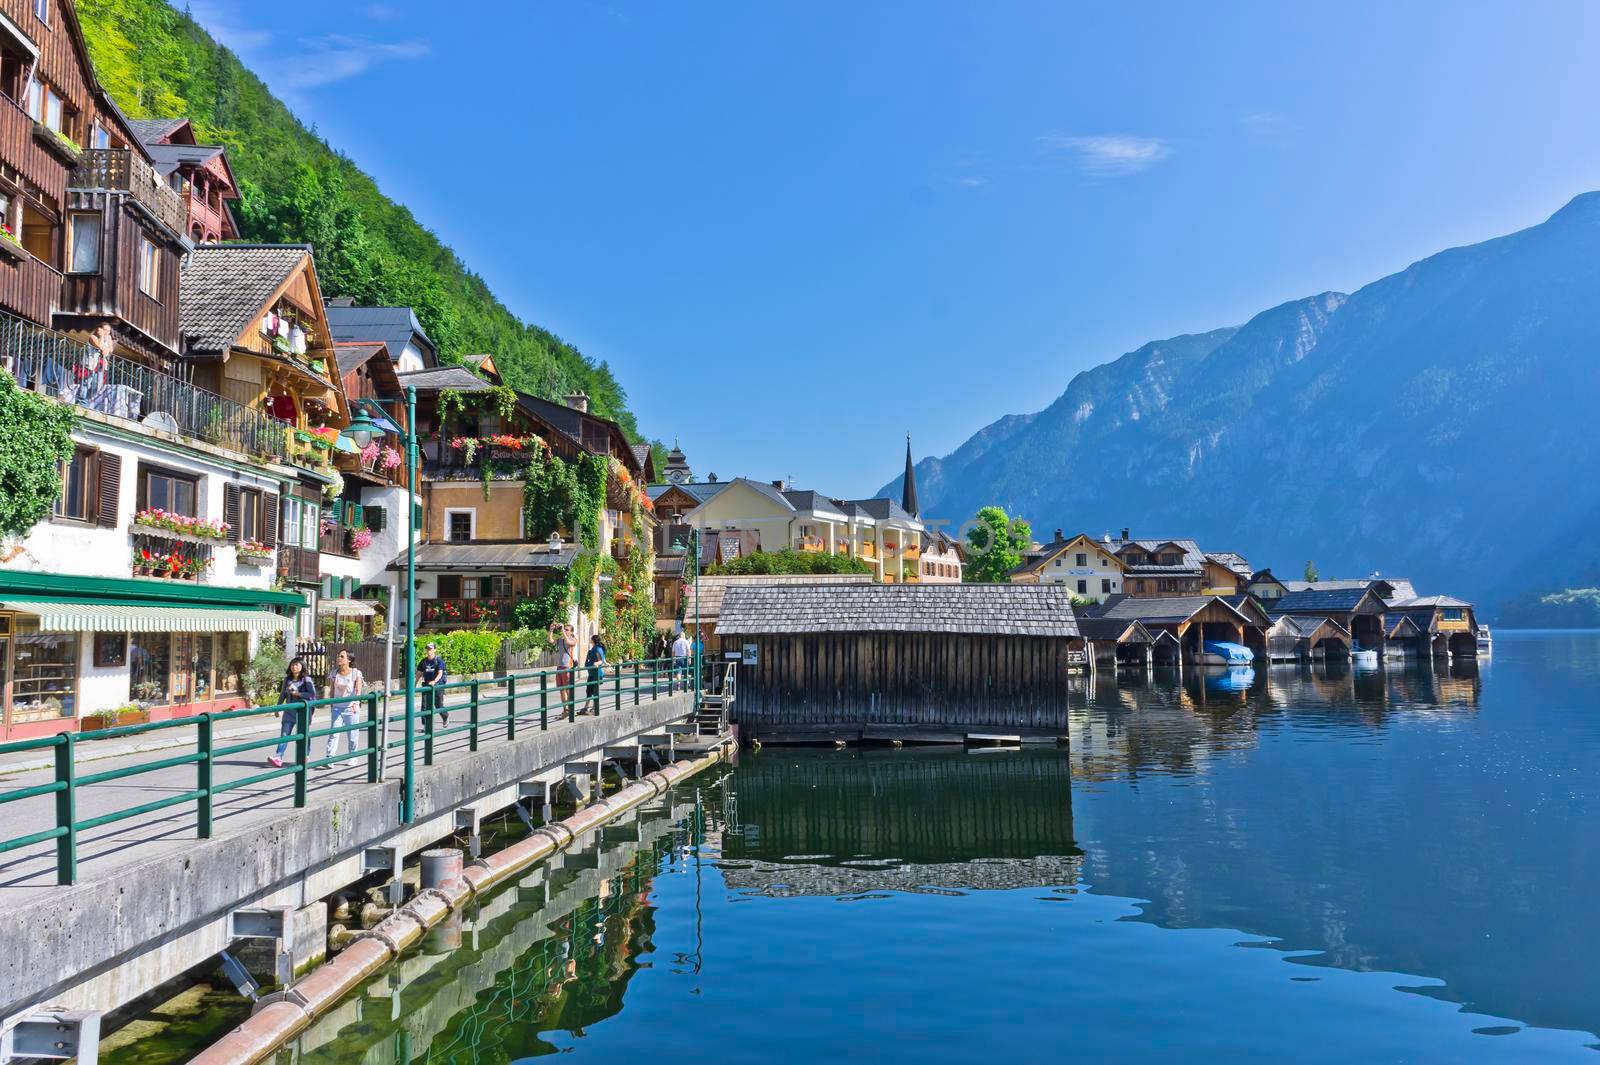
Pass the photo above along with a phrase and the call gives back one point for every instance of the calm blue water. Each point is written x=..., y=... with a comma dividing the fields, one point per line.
x=1391, y=866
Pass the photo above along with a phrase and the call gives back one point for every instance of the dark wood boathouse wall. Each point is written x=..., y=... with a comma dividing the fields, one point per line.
x=849, y=682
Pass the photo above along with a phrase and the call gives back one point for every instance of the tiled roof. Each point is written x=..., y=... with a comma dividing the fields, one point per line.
x=168, y=157
x=884, y=509
x=152, y=130
x=1231, y=561
x=447, y=557
x=1168, y=611
x=765, y=489
x=977, y=609
x=1429, y=602
x=349, y=356
x=700, y=490
x=1301, y=627
x=1319, y=601
x=439, y=378
x=224, y=287
x=712, y=589
x=394, y=326
x=1193, y=562
x=814, y=502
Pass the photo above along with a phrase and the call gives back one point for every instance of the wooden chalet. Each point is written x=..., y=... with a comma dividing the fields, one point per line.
x=92, y=236
x=199, y=173
x=918, y=662
x=1293, y=638
x=1191, y=620
x=1447, y=626
x=1159, y=568
x=1359, y=610
x=1225, y=573
x=1117, y=643
x=1264, y=586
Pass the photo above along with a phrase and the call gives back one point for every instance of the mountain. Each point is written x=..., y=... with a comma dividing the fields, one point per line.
x=157, y=62
x=1436, y=424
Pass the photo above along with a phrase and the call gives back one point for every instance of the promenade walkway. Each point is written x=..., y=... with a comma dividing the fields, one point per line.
x=149, y=884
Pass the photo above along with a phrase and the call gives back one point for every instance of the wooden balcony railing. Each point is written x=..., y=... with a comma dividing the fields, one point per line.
x=299, y=564
x=20, y=149
x=119, y=170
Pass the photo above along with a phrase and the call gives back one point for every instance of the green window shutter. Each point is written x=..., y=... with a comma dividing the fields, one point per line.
x=353, y=588
x=336, y=510
x=416, y=514
x=377, y=519
x=358, y=515
x=330, y=587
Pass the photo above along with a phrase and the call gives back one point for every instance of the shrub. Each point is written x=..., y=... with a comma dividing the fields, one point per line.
x=549, y=606
x=469, y=651
x=35, y=438
x=264, y=678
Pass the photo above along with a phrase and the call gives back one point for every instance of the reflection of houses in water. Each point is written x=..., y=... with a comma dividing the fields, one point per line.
x=909, y=820
x=554, y=951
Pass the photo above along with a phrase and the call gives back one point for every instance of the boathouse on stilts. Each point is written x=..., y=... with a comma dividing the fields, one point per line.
x=908, y=662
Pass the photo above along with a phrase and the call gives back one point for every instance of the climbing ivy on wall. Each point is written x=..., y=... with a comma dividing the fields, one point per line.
x=35, y=438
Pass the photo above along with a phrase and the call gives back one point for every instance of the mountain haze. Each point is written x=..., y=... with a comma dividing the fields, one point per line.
x=1436, y=424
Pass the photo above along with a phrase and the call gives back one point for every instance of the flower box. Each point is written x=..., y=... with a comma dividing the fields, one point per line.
x=181, y=525
x=59, y=144
x=10, y=246
x=254, y=553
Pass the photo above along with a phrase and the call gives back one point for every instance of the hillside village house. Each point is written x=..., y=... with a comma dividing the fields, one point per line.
x=942, y=559
x=476, y=560
x=1088, y=568
x=1225, y=573
x=396, y=328
x=199, y=173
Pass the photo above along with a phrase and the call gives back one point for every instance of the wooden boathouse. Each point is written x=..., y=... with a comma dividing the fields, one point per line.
x=1293, y=638
x=1116, y=643
x=913, y=662
x=1188, y=620
x=1359, y=610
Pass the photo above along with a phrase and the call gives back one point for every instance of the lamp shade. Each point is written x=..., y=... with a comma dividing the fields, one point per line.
x=362, y=429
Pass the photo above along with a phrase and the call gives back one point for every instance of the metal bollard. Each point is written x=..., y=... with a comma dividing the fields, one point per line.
x=441, y=866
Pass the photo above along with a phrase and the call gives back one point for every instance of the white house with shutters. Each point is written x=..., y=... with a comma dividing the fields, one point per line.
x=151, y=582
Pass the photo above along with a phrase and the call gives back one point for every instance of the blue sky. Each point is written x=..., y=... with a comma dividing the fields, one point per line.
x=797, y=231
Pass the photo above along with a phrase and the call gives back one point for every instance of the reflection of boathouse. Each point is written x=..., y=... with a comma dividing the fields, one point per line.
x=839, y=823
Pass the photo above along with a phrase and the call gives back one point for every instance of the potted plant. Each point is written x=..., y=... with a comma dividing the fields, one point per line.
x=10, y=246
x=97, y=721
x=254, y=552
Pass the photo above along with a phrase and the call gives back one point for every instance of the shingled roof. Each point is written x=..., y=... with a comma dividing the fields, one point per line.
x=439, y=378
x=1301, y=627
x=1170, y=610
x=224, y=287
x=1192, y=564
x=975, y=609
x=712, y=589
x=1321, y=601
x=1231, y=561
x=152, y=130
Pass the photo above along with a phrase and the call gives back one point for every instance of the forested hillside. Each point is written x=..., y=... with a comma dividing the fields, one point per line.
x=157, y=62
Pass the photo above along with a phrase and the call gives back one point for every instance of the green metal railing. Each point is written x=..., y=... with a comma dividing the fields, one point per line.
x=524, y=701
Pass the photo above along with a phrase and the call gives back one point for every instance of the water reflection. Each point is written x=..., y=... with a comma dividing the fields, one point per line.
x=921, y=821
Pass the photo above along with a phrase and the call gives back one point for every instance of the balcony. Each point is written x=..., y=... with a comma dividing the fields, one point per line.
x=119, y=170
x=19, y=149
x=810, y=544
x=299, y=564
x=71, y=371
x=448, y=612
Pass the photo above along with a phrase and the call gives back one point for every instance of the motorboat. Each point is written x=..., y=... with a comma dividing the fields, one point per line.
x=1222, y=653
x=1485, y=641
x=1364, y=658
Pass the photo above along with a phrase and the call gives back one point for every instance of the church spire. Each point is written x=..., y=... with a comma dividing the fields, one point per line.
x=908, y=491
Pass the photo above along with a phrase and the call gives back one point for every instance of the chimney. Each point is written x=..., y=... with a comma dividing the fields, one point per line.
x=340, y=301
x=780, y=486
x=1059, y=537
x=578, y=401
x=711, y=478
x=1125, y=535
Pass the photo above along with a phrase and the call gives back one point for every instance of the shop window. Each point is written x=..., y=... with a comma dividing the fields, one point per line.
x=191, y=667
x=149, y=655
x=165, y=490
x=44, y=674
x=79, y=487
x=233, y=661
x=83, y=234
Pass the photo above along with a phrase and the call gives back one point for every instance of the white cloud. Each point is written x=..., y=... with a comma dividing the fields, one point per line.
x=1109, y=156
x=971, y=181
x=1266, y=126
x=338, y=57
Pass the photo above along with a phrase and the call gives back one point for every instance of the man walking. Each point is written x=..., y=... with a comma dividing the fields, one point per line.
x=680, y=662
x=432, y=674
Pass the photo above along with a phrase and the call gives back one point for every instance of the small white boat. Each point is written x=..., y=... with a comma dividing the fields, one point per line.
x=1485, y=641
x=1364, y=658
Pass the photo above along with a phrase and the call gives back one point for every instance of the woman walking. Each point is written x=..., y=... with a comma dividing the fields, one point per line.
x=595, y=660
x=345, y=682
x=566, y=655
x=297, y=687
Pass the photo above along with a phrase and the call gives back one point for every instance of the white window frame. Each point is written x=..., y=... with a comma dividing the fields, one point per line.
x=472, y=523
x=149, y=267
x=72, y=241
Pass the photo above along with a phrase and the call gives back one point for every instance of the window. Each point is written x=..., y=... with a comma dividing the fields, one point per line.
x=301, y=523
x=149, y=654
x=450, y=586
x=1083, y=559
x=191, y=666
x=459, y=525
x=99, y=136
x=499, y=587
x=38, y=234
x=164, y=490
x=1452, y=614
x=44, y=676
x=41, y=10
x=80, y=484
x=1169, y=560
x=1105, y=587
x=1058, y=562
x=149, y=268
x=233, y=660
x=249, y=525
x=469, y=587
x=1083, y=587
x=84, y=234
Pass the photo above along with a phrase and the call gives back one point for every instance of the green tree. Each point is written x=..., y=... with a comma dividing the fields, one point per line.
x=35, y=438
x=997, y=544
x=1311, y=571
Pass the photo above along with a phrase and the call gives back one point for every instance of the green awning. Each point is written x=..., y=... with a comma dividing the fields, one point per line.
x=86, y=615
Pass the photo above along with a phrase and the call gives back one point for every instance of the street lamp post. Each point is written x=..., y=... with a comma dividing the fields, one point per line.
x=363, y=431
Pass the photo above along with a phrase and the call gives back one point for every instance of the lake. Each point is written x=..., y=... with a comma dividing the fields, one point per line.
x=1398, y=865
